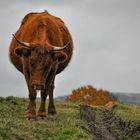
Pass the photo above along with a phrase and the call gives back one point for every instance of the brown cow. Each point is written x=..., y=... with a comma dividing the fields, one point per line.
x=41, y=48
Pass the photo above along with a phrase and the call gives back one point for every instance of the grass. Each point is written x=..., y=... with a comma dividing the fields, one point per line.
x=127, y=112
x=66, y=125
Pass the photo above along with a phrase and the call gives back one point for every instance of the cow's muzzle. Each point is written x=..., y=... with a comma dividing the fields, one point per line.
x=38, y=86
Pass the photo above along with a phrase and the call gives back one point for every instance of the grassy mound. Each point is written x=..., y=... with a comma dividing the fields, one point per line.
x=127, y=112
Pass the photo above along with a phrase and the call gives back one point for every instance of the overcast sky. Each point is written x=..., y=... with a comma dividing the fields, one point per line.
x=106, y=36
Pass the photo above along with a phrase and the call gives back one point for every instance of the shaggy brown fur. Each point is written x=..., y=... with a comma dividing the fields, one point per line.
x=41, y=30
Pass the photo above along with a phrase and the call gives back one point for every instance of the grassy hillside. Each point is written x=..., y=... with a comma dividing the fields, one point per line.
x=66, y=125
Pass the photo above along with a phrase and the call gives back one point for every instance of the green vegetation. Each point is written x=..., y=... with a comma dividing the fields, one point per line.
x=129, y=120
x=66, y=125
x=127, y=112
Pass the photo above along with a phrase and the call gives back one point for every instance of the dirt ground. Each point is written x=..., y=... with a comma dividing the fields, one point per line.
x=103, y=125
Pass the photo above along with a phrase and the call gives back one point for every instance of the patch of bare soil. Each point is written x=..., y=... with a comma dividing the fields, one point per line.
x=103, y=125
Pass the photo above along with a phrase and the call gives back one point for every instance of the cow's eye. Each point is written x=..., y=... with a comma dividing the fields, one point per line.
x=47, y=66
x=32, y=64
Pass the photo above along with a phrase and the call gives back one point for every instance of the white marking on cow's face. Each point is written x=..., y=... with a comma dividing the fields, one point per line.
x=38, y=92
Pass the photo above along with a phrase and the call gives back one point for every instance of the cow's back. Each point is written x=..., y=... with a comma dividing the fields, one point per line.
x=32, y=29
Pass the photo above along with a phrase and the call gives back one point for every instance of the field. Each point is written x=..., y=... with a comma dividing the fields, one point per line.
x=66, y=125
x=72, y=122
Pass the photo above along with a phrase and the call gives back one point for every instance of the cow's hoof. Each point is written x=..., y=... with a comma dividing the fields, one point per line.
x=52, y=112
x=31, y=116
x=42, y=115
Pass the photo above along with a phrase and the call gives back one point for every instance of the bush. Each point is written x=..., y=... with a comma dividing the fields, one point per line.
x=91, y=96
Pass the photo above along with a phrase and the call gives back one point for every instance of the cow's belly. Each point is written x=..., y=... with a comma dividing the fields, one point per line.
x=16, y=61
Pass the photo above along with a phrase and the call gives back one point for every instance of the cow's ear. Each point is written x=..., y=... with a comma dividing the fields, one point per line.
x=60, y=56
x=22, y=51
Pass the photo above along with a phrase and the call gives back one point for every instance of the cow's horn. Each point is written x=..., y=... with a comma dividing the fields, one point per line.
x=55, y=48
x=25, y=44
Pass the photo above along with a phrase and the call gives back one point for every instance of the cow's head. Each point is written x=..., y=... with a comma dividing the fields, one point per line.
x=40, y=60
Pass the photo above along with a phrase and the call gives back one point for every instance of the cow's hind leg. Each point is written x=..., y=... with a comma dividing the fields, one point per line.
x=51, y=106
x=42, y=108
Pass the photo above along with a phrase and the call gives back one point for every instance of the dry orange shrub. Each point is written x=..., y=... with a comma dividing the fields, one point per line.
x=91, y=96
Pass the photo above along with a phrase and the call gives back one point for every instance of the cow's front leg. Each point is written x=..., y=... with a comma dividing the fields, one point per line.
x=42, y=108
x=32, y=93
x=51, y=106
x=32, y=105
